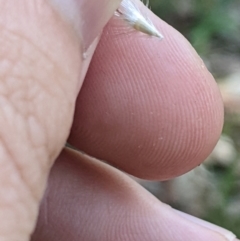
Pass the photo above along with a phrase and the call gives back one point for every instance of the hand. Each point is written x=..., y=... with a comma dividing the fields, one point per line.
x=149, y=108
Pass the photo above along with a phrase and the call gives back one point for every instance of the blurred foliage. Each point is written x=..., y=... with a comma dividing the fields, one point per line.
x=218, y=217
x=211, y=26
x=206, y=23
x=229, y=189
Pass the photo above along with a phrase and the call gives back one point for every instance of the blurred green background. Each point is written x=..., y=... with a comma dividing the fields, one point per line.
x=208, y=24
x=213, y=28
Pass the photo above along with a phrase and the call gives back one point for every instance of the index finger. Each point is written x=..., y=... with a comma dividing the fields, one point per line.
x=148, y=107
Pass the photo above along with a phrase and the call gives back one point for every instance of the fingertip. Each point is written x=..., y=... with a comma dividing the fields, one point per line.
x=150, y=108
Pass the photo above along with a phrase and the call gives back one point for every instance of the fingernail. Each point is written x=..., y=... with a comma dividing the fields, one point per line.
x=88, y=17
x=227, y=234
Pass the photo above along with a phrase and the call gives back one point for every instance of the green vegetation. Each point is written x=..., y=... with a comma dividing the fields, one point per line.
x=207, y=24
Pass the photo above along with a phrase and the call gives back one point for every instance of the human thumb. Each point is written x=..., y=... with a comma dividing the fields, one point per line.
x=43, y=46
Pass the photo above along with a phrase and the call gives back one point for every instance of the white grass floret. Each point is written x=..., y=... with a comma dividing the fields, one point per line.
x=132, y=15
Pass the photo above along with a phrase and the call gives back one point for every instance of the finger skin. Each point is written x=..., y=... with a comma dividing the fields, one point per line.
x=41, y=62
x=148, y=107
x=88, y=200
